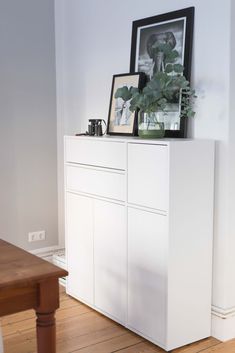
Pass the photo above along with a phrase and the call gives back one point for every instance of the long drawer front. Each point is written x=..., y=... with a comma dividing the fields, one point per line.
x=96, y=153
x=104, y=183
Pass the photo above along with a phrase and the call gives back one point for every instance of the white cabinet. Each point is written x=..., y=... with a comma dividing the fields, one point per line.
x=110, y=259
x=139, y=233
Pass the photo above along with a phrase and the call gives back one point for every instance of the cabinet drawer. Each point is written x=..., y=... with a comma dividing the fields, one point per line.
x=148, y=175
x=97, y=182
x=95, y=153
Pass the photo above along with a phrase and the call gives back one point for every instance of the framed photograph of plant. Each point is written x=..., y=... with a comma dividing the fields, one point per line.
x=121, y=120
x=160, y=41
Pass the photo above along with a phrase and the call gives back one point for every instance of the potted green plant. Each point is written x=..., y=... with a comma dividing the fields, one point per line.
x=164, y=87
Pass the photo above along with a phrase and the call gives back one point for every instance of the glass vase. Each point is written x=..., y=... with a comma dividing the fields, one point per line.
x=149, y=125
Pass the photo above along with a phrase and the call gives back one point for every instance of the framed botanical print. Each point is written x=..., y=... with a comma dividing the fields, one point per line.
x=121, y=120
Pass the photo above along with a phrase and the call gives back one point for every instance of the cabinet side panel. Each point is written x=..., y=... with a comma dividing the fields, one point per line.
x=190, y=241
x=79, y=244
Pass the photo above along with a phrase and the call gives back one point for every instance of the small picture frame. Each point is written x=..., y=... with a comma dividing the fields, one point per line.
x=121, y=121
x=172, y=28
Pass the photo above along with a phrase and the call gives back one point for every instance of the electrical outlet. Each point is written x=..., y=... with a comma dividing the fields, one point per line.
x=37, y=236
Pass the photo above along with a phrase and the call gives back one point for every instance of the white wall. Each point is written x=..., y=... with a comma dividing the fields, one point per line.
x=28, y=177
x=230, y=294
x=96, y=37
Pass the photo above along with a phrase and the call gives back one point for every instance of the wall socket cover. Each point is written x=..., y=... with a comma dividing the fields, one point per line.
x=37, y=236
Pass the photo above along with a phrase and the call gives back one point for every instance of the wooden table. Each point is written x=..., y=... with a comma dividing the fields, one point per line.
x=27, y=282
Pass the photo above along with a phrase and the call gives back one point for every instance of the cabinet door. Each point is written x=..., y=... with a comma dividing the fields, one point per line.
x=148, y=175
x=79, y=239
x=147, y=261
x=110, y=259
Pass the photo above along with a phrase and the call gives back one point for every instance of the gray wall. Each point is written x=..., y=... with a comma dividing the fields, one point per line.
x=28, y=150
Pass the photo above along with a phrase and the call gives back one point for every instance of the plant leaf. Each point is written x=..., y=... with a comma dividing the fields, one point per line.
x=178, y=68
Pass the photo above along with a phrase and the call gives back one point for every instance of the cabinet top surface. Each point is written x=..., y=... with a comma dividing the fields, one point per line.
x=136, y=139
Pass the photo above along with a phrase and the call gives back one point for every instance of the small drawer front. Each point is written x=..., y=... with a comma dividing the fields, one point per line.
x=148, y=175
x=95, y=152
x=96, y=182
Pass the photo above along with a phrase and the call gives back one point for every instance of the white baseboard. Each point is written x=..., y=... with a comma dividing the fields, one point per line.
x=54, y=254
x=223, y=323
x=47, y=253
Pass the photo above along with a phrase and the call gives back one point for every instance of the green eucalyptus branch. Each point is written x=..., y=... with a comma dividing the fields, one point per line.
x=162, y=88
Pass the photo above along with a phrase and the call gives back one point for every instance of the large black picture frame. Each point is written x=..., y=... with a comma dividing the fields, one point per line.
x=182, y=22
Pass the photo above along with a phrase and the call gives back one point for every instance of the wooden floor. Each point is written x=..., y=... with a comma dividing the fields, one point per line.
x=82, y=330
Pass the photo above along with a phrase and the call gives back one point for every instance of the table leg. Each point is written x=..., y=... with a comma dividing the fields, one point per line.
x=48, y=296
x=46, y=339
